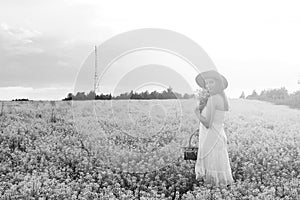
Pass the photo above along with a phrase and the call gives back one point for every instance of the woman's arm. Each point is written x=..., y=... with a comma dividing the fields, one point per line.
x=201, y=118
x=210, y=113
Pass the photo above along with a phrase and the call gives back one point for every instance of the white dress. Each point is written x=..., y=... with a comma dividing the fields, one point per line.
x=212, y=159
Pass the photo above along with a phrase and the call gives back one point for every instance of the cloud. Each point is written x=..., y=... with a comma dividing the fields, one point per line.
x=18, y=40
x=31, y=59
x=19, y=33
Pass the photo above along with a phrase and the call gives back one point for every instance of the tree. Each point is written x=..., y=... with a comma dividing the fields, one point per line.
x=69, y=97
x=254, y=95
x=242, y=95
x=169, y=90
x=80, y=96
x=91, y=95
x=154, y=95
x=274, y=94
x=186, y=96
x=130, y=94
x=177, y=95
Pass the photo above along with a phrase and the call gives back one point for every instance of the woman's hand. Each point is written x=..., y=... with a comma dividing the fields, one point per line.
x=201, y=107
x=206, y=121
x=197, y=112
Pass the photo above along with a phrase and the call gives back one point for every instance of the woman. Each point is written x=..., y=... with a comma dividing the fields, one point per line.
x=212, y=160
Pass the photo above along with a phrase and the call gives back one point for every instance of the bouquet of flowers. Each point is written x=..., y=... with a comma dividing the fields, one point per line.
x=202, y=97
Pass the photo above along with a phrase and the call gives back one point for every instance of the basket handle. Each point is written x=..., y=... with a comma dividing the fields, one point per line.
x=196, y=131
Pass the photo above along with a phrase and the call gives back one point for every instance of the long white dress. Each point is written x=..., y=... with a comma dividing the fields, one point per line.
x=212, y=159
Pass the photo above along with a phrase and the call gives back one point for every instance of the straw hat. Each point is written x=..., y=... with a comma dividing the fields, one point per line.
x=200, y=79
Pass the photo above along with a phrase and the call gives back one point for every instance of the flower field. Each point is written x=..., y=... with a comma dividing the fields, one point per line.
x=133, y=150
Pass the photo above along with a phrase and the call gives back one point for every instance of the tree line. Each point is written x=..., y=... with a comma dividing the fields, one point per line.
x=278, y=96
x=166, y=94
x=20, y=100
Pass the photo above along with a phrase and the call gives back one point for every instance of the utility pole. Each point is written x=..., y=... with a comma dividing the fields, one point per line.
x=96, y=75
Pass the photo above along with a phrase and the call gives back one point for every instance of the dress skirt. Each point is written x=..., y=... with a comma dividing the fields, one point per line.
x=212, y=160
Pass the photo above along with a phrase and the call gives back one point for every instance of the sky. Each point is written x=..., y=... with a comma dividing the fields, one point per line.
x=44, y=44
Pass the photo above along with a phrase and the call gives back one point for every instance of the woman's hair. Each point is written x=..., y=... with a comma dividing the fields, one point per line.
x=226, y=104
x=222, y=93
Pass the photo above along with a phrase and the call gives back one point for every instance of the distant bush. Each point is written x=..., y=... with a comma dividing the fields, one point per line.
x=278, y=96
x=20, y=100
x=293, y=100
x=254, y=95
x=242, y=95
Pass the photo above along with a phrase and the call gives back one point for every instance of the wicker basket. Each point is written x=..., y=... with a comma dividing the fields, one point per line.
x=190, y=152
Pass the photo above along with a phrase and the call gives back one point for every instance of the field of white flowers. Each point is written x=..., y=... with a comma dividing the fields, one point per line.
x=132, y=150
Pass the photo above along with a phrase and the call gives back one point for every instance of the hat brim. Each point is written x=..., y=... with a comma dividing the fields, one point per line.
x=200, y=78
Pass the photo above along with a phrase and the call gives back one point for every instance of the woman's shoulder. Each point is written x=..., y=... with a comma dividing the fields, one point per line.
x=221, y=102
x=217, y=98
x=218, y=95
